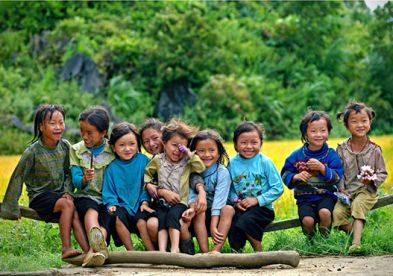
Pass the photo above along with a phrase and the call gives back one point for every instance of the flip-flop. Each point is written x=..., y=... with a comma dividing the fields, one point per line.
x=97, y=241
x=93, y=259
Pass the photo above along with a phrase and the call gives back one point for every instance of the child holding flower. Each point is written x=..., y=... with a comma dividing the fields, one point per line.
x=364, y=171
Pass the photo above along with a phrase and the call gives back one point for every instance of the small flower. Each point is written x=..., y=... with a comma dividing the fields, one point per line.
x=367, y=173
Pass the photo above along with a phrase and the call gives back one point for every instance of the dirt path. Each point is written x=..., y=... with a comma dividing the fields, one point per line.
x=382, y=265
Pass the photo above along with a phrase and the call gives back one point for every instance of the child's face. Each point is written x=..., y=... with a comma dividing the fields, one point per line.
x=126, y=146
x=248, y=144
x=317, y=134
x=52, y=128
x=90, y=134
x=151, y=139
x=172, y=151
x=207, y=150
x=358, y=123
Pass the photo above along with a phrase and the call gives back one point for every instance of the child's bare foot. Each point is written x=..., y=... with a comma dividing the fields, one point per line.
x=70, y=253
x=215, y=252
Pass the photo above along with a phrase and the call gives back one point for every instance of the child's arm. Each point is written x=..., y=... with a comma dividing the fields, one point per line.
x=380, y=169
x=274, y=182
x=109, y=194
x=290, y=174
x=197, y=184
x=151, y=170
x=9, y=207
x=221, y=191
x=169, y=196
x=331, y=173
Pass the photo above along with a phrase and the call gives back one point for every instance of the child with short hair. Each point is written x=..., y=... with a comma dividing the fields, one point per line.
x=173, y=168
x=88, y=160
x=313, y=171
x=358, y=152
x=123, y=191
x=256, y=184
x=217, y=219
x=44, y=168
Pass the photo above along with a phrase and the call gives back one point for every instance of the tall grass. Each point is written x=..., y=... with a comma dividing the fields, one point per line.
x=37, y=245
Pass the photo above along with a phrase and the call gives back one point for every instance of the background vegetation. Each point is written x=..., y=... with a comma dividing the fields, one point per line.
x=266, y=61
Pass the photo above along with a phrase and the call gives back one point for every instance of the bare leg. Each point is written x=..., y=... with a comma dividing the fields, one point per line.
x=152, y=228
x=142, y=228
x=256, y=245
x=91, y=219
x=347, y=228
x=226, y=215
x=201, y=232
x=357, y=231
x=325, y=221
x=79, y=233
x=124, y=234
x=308, y=226
x=162, y=240
x=174, y=235
x=66, y=208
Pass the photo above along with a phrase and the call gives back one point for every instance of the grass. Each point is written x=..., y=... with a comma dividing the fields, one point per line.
x=37, y=245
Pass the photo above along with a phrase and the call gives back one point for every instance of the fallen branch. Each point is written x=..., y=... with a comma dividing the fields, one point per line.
x=250, y=260
x=274, y=226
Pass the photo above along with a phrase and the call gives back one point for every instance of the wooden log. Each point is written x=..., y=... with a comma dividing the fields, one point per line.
x=274, y=226
x=244, y=260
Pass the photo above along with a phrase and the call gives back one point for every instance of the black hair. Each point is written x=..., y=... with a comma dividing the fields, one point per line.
x=151, y=123
x=357, y=107
x=310, y=117
x=122, y=129
x=211, y=134
x=39, y=117
x=247, y=126
x=177, y=127
x=98, y=117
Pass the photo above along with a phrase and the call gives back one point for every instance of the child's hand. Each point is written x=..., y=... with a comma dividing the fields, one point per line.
x=303, y=176
x=249, y=202
x=201, y=203
x=170, y=197
x=315, y=165
x=188, y=215
x=184, y=149
x=366, y=181
x=216, y=235
x=152, y=190
x=68, y=196
x=145, y=207
x=88, y=175
x=112, y=210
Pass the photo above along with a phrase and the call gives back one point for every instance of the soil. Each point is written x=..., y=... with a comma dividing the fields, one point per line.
x=361, y=265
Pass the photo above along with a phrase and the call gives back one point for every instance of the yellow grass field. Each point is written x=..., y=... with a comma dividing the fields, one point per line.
x=276, y=150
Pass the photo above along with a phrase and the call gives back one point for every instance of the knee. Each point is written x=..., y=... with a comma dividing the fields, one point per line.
x=325, y=214
x=308, y=222
x=227, y=211
x=141, y=224
x=152, y=223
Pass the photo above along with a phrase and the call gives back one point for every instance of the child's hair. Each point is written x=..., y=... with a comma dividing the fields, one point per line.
x=122, y=129
x=211, y=134
x=247, y=126
x=177, y=127
x=357, y=107
x=151, y=123
x=98, y=117
x=310, y=117
x=40, y=115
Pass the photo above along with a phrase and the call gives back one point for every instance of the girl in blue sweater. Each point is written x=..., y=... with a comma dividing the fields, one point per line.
x=122, y=190
x=313, y=171
x=256, y=183
x=216, y=220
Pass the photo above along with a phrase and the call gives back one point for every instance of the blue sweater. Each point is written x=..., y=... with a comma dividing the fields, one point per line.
x=255, y=177
x=217, y=183
x=123, y=183
x=319, y=185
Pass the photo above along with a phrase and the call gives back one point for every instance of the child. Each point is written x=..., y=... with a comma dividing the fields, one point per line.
x=44, y=168
x=208, y=145
x=88, y=160
x=151, y=135
x=356, y=152
x=173, y=168
x=313, y=171
x=123, y=182
x=256, y=184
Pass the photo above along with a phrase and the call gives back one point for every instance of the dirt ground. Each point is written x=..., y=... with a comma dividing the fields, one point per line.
x=382, y=265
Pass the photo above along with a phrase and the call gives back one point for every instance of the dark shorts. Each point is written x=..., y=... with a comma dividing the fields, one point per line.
x=168, y=217
x=311, y=209
x=44, y=204
x=251, y=222
x=146, y=215
x=83, y=204
x=129, y=222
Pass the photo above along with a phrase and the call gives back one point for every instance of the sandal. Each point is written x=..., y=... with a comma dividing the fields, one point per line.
x=97, y=241
x=93, y=259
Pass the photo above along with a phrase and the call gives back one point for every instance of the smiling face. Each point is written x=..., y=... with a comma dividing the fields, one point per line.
x=317, y=134
x=52, y=128
x=207, y=150
x=248, y=144
x=171, y=148
x=359, y=123
x=151, y=140
x=126, y=146
x=90, y=134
